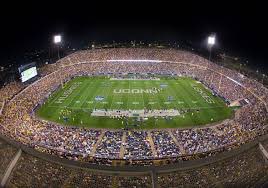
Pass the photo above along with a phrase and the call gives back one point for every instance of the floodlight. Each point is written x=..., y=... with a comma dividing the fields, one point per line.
x=211, y=40
x=57, y=39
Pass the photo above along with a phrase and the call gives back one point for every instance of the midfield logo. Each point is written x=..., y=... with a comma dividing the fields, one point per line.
x=154, y=90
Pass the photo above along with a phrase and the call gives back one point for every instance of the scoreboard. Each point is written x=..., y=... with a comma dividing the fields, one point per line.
x=27, y=72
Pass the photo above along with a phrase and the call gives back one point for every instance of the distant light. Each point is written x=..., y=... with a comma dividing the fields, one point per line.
x=211, y=40
x=57, y=39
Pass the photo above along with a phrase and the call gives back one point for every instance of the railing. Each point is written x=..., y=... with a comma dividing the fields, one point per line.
x=2, y=107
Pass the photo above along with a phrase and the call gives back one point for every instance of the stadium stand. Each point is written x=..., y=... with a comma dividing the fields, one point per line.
x=247, y=168
x=40, y=134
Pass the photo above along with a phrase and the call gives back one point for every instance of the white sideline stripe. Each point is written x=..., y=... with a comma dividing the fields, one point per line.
x=134, y=60
x=10, y=168
x=201, y=107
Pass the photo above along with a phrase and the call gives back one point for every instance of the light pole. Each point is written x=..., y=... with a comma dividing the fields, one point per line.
x=211, y=41
x=263, y=75
x=57, y=41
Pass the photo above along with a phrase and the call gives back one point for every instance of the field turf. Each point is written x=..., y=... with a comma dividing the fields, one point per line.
x=80, y=96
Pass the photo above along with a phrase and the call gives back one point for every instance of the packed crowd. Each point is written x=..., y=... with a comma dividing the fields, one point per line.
x=164, y=144
x=33, y=172
x=8, y=91
x=246, y=169
x=110, y=145
x=138, y=146
x=18, y=121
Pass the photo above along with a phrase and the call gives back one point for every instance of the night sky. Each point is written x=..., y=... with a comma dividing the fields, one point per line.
x=241, y=29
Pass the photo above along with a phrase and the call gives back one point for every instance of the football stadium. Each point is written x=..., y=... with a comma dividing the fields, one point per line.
x=133, y=117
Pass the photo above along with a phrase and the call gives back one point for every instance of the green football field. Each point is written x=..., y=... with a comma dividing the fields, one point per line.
x=74, y=103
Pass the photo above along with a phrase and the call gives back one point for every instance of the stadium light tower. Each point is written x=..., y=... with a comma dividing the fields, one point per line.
x=57, y=41
x=263, y=75
x=211, y=42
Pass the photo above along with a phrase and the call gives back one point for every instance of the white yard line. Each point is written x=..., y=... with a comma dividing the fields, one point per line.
x=56, y=98
x=117, y=105
x=112, y=100
x=177, y=98
x=143, y=97
x=95, y=100
x=77, y=93
x=85, y=100
x=66, y=98
x=128, y=95
x=106, y=96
